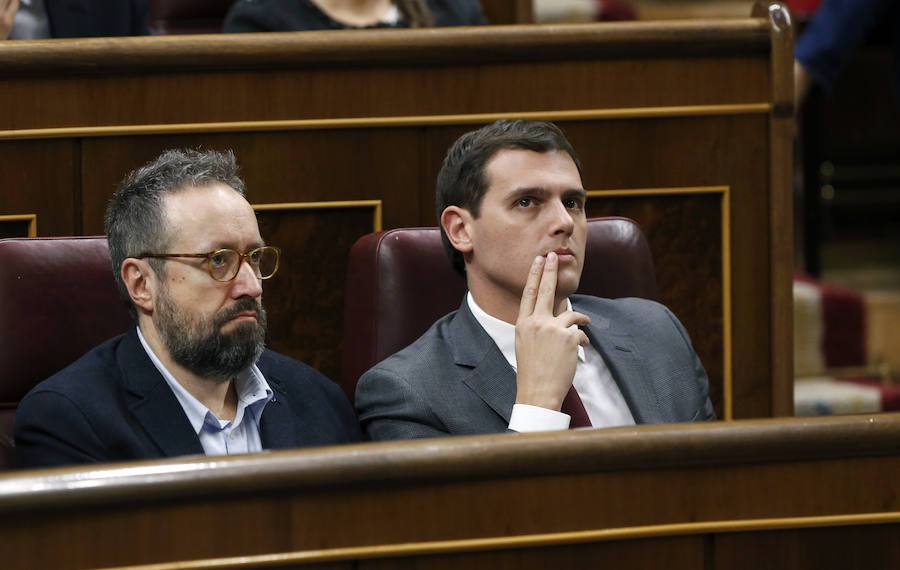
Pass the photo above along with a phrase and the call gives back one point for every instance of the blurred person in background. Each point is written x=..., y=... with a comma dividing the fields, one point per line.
x=834, y=32
x=296, y=15
x=41, y=19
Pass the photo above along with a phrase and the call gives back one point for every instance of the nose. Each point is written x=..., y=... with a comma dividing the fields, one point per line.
x=246, y=283
x=562, y=221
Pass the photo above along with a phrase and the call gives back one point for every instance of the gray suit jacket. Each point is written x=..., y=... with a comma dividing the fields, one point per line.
x=454, y=380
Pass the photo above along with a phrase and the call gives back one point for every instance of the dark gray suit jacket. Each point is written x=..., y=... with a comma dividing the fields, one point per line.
x=114, y=405
x=454, y=380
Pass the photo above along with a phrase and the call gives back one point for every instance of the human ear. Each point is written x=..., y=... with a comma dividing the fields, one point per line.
x=140, y=280
x=456, y=222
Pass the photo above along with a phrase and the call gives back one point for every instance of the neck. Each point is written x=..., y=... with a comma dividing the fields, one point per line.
x=504, y=305
x=217, y=395
x=355, y=12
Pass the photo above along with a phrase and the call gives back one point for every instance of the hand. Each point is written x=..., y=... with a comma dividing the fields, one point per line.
x=546, y=348
x=8, y=9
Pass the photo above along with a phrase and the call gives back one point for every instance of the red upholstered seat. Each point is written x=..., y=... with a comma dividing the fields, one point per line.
x=400, y=281
x=57, y=301
x=188, y=16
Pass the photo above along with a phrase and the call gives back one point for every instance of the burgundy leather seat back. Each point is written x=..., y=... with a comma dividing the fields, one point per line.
x=188, y=16
x=400, y=281
x=57, y=301
x=618, y=262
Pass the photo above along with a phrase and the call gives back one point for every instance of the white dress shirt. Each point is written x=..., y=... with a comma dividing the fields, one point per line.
x=601, y=396
x=223, y=437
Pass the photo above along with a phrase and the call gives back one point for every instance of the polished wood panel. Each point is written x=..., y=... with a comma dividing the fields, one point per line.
x=42, y=178
x=688, y=267
x=419, y=89
x=717, y=494
x=483, y=44
x=781, y=217
x=500, y=12
x=315, y=241
x=838, y=548
x=368, y=116
x=305, y=166
x=619, y=155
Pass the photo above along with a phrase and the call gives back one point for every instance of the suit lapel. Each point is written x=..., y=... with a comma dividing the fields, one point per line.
x=278, y=426
x=152, y=402
x=482, y=366
x=618, y=350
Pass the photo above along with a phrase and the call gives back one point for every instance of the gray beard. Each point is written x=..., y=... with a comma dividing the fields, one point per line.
x=202, y=348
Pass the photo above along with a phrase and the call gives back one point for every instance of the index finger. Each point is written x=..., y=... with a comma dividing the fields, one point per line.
x=530, y=292
x=547, y=291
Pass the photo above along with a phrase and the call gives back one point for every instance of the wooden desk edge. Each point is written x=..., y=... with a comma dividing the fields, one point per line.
x=460, y=458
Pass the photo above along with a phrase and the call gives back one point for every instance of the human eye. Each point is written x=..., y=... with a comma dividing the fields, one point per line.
x=524, y=202
x=255, y=256
x=574, y=203
x=220, y=258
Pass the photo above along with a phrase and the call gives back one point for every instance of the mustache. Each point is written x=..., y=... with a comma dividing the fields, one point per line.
x=245, y=304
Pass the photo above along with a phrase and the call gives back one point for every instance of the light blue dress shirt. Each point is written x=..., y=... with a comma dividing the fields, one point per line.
x=223, y=437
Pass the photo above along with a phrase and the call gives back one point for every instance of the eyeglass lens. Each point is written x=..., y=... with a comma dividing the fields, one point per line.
x=225, y=264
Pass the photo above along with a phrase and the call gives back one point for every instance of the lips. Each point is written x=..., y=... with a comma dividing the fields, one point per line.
x=245, y=310
x=564, y=254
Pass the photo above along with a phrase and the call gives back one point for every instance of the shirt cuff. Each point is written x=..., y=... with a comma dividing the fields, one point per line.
x=527, y=418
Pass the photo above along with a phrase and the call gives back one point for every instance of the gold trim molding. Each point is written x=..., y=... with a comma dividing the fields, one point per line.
x=30, y=218
x=725, y=208
x=402, y=121
x=526, y=541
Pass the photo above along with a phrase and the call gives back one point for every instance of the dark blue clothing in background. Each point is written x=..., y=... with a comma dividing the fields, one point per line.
x=97, y=18
x=838, y=28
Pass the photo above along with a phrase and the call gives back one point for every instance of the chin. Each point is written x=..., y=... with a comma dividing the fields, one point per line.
x=567, y=286
x=239, y=328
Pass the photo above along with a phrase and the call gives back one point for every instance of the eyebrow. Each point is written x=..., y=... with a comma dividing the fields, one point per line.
x=580, y=192
x=541, y=192
x=251, y=246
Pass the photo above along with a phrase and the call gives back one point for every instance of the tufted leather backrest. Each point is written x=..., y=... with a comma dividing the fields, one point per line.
x=57, y=301
x=400, y=281
x=188, y=16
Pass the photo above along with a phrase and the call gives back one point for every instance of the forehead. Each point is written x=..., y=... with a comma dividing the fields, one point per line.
x=209, y=217
x=513, y=168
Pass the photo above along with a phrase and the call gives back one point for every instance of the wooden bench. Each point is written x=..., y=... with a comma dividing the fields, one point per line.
x=778, y=494
x=684, y=126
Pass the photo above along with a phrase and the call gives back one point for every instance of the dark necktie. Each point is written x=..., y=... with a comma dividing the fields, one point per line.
x=572, y=405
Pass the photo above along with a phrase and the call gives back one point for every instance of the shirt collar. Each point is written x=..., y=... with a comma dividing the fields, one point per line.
x=250, y=385
x=504, y=334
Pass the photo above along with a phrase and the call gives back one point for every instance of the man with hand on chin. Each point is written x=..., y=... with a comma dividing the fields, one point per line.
x=523, y=352
x=193, y=376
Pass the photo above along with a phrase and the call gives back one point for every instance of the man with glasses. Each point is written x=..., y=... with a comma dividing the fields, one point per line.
x=193, y=377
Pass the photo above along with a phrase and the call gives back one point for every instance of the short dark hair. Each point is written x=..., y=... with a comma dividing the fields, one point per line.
x=462, y=180
x=134, y=217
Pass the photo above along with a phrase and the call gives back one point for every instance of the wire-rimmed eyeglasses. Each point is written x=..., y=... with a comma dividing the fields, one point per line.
x=224, y=264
